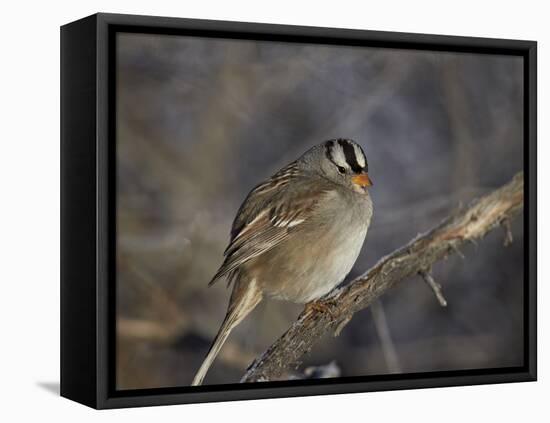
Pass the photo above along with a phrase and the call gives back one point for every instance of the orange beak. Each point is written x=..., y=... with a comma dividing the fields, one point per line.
x=362, y=180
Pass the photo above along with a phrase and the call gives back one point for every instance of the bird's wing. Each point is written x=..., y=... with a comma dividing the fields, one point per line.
x=264, y=221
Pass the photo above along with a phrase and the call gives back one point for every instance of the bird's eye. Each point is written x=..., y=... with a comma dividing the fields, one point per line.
x=341, y=169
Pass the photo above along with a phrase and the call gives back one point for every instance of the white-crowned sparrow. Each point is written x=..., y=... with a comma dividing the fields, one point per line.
x=296, y=235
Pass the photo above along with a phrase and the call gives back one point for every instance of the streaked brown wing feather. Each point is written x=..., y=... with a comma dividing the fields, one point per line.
x=264, y=221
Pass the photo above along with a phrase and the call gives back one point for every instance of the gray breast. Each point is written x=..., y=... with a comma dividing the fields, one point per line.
x=311, y=264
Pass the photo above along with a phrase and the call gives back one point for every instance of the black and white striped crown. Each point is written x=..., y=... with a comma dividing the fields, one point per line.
x=347, y=154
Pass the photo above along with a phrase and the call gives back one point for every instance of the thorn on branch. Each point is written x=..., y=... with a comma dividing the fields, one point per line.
x=508, y=237
x=436, y=288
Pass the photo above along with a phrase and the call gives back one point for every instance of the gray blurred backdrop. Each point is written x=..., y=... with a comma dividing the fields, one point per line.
x=201, y=121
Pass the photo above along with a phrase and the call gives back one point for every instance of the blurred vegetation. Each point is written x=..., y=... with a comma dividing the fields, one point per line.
x=201, y=121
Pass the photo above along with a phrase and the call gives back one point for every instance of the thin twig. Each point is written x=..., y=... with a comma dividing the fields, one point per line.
x=457, y=251
x=436, y=288
x=384, y=334
x=508, y=237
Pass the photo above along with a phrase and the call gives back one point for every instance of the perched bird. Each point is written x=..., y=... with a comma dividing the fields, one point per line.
x=296, y=235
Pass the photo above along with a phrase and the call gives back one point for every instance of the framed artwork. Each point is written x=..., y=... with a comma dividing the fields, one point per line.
x=257, y=211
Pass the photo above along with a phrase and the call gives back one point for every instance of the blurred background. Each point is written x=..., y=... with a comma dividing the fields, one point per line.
x=201, y=121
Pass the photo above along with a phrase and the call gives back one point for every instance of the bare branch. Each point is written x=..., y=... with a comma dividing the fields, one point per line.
x=467, y=225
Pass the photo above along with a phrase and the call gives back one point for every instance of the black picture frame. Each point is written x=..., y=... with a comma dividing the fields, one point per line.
x=88, y=199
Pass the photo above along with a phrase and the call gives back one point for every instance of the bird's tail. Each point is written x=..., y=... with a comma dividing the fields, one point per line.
x=243, y=300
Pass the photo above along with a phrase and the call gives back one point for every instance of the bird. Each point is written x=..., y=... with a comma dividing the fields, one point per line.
x=297, y=234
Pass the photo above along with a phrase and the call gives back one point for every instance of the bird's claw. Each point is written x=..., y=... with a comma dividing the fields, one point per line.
x=323, y=307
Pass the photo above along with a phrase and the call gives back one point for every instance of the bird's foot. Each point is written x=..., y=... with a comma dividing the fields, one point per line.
x=321, y=306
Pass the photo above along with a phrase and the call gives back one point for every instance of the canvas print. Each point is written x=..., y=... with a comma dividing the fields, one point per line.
x=291, y=211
